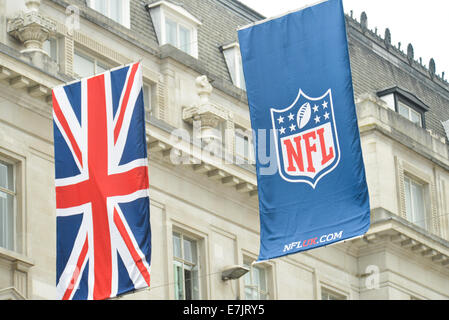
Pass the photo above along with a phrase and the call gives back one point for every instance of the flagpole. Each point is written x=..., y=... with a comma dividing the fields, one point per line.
x=280, y=15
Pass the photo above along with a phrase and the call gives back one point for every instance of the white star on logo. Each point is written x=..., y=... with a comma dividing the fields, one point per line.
x=317, y=119
x=281, y=119
x=326, y=116
x=315, y=108
x=291, y=116
x=292, y=127
x=282, y=130
x=325, y=105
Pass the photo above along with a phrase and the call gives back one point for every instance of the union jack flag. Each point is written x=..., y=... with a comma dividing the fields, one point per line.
x=101, y=179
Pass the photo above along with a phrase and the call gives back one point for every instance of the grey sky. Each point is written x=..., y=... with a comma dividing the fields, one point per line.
x=423, y=24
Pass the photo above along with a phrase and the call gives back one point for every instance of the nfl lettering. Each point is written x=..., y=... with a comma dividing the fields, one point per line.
x=306, y=139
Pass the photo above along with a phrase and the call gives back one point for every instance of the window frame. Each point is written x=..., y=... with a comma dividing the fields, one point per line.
x=411, y=107
x=149, y=95
x=410, y=216
x=235, y=65
x=125, y=11
x=162, y=10
x=96, y=62
x=248, y=156
x=183, y=262
x=409, y=100
x=11, y=192
x=252, y=286
x=52, y=41
x=338, y=295
x=179, y=24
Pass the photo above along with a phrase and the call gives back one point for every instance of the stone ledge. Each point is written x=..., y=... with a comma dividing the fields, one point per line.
x=227, y=175
x=402, y=233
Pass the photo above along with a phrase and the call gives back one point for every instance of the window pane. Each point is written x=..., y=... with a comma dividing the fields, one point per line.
x=147, y=100
x=263, y=280
x=418, y=205
x=101, y=6
x=170, y=27
x=146, y=95
x=415, y=117
x=329, y=295
x=6, y=176
x=247, y=276
x=184, y=39
x=83, y=66
x=179, y=280
x=248, y=293
x=241, y=83
x=50, y=46
x=256, y=277
x=408, y=199
x=195, y=283
x=115, y=10
x=239, y=145
x=230, y=57
x=403, y=110
x=177, y=245
x=190, y=251
x=6, y=221
x=191, y=283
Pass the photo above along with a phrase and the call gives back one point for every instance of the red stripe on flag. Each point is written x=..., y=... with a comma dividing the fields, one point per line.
x=137, y=259
x=62, y=120
x=97, y=144
x=129, y=85
x=77, y=271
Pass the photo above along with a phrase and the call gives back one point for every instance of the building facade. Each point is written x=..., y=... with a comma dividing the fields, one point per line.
x=203, y=189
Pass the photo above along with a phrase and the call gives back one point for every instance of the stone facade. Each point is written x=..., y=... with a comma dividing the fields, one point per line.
x=203, y=197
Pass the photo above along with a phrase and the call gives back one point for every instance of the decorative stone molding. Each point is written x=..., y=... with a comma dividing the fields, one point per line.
x=364, y=22
x=410, y=54
x=31, y=28
x=432, y=68
x=208, y=114
x=387, y=38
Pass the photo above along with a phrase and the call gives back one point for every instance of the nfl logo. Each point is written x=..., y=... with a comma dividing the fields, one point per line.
x=306, y=139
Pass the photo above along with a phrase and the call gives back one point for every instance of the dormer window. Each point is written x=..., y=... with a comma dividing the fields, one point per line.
x=176, y=26
x=406, y=104
x=233, y=59
x=117, y=10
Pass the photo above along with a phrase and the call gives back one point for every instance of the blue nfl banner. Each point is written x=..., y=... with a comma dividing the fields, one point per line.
x=302, y=109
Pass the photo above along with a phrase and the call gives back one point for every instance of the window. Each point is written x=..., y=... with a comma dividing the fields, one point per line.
x=256, y=282
x=148, y=94
x=243, y=146
x=406, y=104
x=414, y=202
x=327, y=294
x=176, y=26
x=7, y=206
x=234, y=62
x=50, y=46
x=185, y=267
x=446, y=128
x=178, y=35
x=409, y=113
x=85, y=66
x=117, y=10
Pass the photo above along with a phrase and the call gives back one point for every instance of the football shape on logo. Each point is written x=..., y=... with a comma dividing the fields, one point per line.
x=304, y=114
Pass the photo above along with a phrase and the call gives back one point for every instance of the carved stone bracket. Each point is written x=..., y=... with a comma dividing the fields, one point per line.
x=31, y=28
x=208, y=115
